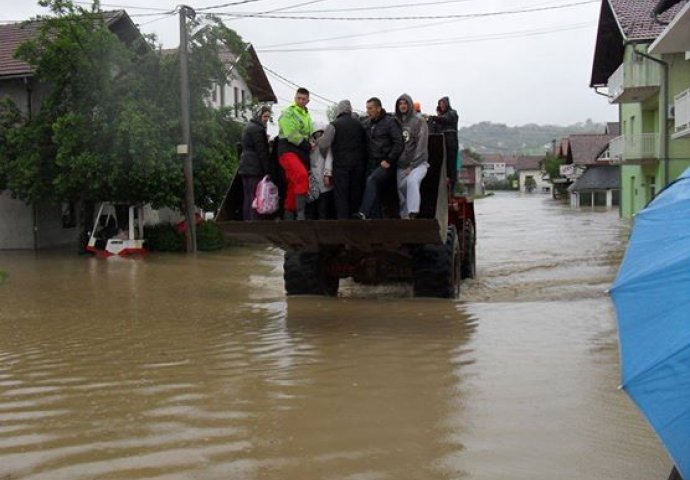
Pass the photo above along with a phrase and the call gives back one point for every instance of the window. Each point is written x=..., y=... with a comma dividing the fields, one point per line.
x=599, y=199
x=585, y=199
x=237, y=100
x=69, y=215
x=652, y=187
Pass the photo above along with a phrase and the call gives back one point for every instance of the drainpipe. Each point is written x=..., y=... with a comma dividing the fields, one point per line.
x=663, y=137
x=34, y=208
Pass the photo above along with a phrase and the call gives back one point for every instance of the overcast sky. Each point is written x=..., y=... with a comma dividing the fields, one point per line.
x=513, y=68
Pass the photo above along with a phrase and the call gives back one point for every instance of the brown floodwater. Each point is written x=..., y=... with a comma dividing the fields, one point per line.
x=199, y=368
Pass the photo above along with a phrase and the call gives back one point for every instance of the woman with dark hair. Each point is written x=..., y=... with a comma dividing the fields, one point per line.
x=254, y=160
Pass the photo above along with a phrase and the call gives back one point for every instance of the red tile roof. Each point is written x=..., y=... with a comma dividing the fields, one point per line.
x=529, y=162
x=636, y=21
x=14, y=34
x=11, y=36
x=585, y=148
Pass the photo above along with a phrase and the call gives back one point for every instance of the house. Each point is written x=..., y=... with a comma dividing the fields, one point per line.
x=41, y=225
x=470, y=176
x=598, y=187
x=497, y=167
x=582, y=153
x=640, y=58
x=530, y=167
x=240, y=91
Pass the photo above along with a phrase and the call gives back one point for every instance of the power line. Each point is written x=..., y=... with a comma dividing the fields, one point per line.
x=386, y=7
x=293, y=84
x=359, y=35
x=131, y=7
x=290, y=7
x=434, y=42
x=231, y=4
x=409, y=17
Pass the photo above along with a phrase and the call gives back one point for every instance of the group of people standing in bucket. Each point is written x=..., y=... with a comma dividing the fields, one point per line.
x=340, y=170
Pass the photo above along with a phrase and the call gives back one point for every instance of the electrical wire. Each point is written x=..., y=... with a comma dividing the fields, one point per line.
x=290, y=7
x=293, y=84
x=434, y=42
x=131, y=7
x=386, y=7
x=408, y=17
x=224, y=5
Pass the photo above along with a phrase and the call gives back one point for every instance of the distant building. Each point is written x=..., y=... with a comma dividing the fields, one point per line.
x=531, y=167
x=471, y=176
x=497, y=166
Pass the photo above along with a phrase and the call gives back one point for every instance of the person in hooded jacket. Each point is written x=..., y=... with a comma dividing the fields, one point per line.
x=346, y=139
x=384, y=146
x=446, y=122
x=413, y=162
x=254, y=160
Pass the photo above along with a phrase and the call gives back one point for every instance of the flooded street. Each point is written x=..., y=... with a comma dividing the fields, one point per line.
x=200, y=368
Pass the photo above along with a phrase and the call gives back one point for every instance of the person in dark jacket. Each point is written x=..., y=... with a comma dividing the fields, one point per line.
x=384, y=146
x=254, y=160
x=346, y=138
x=446, y=122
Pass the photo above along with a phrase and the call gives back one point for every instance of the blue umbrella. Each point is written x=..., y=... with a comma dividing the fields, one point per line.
x=652, y=298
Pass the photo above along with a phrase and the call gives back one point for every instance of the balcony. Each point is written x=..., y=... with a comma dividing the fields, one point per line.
x=682, y=114
x=635, y=149
x=634, y=81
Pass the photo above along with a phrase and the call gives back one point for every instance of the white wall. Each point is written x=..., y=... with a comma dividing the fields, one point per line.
x=543, y=186
x=224, y=96
x=16, y=224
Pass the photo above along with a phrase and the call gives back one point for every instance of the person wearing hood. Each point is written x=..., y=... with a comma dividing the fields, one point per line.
x=293, y=154
x=320, y=174
x=446, y=122
x=413, y=162
x=254, y=160
x=346, y=139
x=384, y=146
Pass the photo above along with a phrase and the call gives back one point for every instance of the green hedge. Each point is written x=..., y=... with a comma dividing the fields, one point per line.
x=165, y=237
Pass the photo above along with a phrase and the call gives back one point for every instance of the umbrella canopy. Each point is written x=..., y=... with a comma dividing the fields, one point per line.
x=652, y=298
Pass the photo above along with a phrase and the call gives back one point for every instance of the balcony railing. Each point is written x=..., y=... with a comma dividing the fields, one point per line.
x=626, y=148
x=634, y=81
x=682, y=114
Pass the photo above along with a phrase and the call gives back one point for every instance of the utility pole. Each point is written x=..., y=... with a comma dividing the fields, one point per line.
x=186, y=147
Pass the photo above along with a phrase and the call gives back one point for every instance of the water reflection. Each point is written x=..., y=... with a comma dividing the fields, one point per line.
x=187, y=368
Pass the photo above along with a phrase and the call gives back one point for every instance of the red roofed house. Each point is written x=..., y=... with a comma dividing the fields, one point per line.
x=471, y=176
x=41, y=225
x=531, y=166
x=581, y=154
x=641, y=59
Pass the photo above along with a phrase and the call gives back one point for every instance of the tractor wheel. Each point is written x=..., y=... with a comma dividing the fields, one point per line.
x=437, y=268
x=305, y=274
x=469, y=259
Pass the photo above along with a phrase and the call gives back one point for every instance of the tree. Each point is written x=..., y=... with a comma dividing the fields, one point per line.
x=108, y=127
x=552, y=165
x=530, y=183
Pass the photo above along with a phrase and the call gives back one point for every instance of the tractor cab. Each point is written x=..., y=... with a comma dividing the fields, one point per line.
x=118, y=229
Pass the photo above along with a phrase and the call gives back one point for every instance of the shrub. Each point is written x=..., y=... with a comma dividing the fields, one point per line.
x=164, y=237
x=209, y=237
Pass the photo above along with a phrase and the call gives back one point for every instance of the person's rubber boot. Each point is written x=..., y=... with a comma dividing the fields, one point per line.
x=288, y=215
x=301, y=205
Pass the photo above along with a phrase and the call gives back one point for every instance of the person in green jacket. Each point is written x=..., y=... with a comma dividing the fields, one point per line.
x=293, y=153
